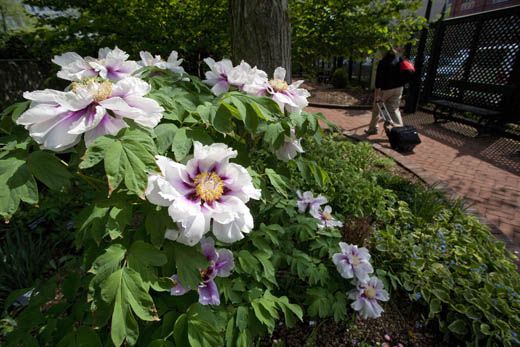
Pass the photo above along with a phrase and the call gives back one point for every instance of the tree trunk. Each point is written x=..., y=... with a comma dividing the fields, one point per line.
x=261, y=34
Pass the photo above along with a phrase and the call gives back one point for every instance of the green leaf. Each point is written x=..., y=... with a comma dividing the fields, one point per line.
x=180, y=331
x=242, y=317
x=203, y=327
x=143, y=257
x=119, y=217
x=320, y=303
x=200, y=135
x=249, y=264
x=181, y=144
x=289, y=311
x=339, y=307
x=15, y=110
x=128, y=157
x=156, y=224
x=252, y=120
x=161, y=343
x=16, y=185
x=458, y=327
x=96, y=152
x=165, y=134
x=188, y=261
x=48, y=169
x=277, y=181
x=267, y=265
x=106, y=264
x=126, y=290
x=274, y=135
x=265, y=311
x=91, y=223
x=435, y=307
x=441, y=294
x=222, y=119
x=83, y=337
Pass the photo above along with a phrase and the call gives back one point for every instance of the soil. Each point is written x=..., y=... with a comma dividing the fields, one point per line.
x=327, y=94
x=400, y=325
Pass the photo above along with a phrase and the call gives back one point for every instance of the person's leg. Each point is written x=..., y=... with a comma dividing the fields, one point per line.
x=392, y=102
x=372, y=127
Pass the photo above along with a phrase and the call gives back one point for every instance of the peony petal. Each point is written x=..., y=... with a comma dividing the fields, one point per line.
x=208, y=249
x=279, y=73
x=89, y=119
x=208, y=293
x=177, y=289
x=225, y=263
x=107, y=126
x=220, y=87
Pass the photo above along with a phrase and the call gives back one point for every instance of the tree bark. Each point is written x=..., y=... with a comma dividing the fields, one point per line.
x=261, y=34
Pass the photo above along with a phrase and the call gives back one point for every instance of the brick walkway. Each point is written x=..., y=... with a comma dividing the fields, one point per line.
x=485, y=171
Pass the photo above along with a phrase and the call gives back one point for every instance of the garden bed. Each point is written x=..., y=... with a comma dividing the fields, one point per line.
x=327, y=94
x=212, y=216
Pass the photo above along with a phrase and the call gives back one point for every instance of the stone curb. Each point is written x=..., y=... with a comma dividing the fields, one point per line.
x=441, y=185
x=343, y=107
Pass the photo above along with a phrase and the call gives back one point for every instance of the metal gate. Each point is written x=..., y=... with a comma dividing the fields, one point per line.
x=475, y=60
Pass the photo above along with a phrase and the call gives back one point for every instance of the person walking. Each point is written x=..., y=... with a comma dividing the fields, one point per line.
x=389, y=88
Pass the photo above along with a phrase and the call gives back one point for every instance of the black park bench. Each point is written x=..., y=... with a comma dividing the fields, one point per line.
x=489, y=103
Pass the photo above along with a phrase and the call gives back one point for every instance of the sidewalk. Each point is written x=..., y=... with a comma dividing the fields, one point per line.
x=485, y=171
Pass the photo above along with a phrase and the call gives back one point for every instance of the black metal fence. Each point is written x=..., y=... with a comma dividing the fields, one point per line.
x=475, y=60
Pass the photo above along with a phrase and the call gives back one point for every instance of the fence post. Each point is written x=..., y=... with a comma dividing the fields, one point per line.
x=415, y=84
x=350, y=63
x=438, y=37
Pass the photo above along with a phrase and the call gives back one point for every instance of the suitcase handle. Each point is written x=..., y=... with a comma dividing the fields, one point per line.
x=383, y=111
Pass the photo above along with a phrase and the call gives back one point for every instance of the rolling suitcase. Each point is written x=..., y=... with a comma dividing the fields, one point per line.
x=402, y=139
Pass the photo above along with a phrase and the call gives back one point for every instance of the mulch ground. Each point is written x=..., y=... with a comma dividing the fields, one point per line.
x=327, y=94
x=400, y=325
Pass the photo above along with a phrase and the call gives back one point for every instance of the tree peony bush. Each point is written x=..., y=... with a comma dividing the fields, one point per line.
x=190, y=231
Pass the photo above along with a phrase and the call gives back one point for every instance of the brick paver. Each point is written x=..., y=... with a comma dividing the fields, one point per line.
x=485, y=171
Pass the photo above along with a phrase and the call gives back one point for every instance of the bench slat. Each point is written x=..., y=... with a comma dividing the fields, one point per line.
x=466, y=108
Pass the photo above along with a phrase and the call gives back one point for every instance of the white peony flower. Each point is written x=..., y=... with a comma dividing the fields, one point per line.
x=288, y=97
x=93, y=107
x=325, y=218
x=306, y=200
x=112, y=64
x=217, y=77
x=366, y=296
x=173, y=63
x=290, y=148
x=207, y=191
x=353, y=262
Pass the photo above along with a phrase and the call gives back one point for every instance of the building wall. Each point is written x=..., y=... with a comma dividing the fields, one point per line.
x=436, y=8
x=464, y=7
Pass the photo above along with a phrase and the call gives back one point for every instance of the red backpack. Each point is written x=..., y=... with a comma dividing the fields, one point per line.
x=407, y=70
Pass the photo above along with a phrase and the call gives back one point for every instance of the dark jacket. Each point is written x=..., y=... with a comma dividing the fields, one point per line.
x=388, y=75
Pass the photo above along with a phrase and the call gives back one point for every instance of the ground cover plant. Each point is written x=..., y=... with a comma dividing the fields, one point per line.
x=205, y=213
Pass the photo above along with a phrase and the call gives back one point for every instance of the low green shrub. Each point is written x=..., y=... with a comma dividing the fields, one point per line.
x=425, y=245
x=457, y=268
x=339, y=78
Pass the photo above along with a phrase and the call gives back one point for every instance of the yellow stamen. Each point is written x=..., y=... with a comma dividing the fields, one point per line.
x=326, y=216
x=370, y=292
x=278, y=85
x=101, y=89
x=208, y=186
x=103, y=92
x=355, y=260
